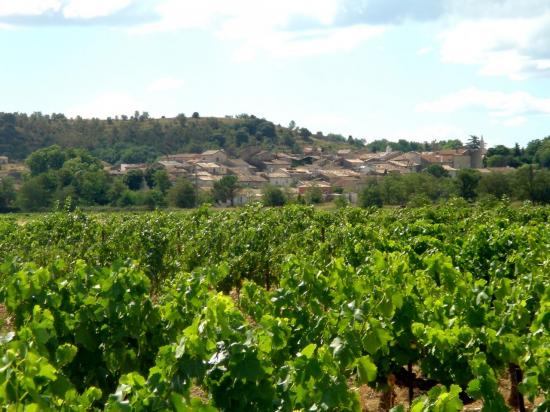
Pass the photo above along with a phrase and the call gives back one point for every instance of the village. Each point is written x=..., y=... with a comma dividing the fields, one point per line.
x=335, y=174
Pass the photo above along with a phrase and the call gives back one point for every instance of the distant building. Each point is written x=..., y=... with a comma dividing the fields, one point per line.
x=325, y=187
x=279, y=178
x=213, y=168
x=214, y=156
x=4, y=160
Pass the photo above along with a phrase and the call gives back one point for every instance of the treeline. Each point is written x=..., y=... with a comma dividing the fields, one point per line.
x=57, y=175
x=434, y=185
x=403, y=145
x=141, y=139
x=536, y=152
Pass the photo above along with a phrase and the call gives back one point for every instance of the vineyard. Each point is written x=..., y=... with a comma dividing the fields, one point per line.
x=283, y=309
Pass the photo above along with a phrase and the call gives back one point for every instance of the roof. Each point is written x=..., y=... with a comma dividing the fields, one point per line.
x=211, y=152
x=277, y=162
x=403, y=164
x=449, y=168
x=355, y=161
x=251, y=178
x=339, y=173
x=208, y=165
x=315, y=183
x=182, y=156
x=452, y=152
x=170, y=163
x=239, y=163
x=276, y=175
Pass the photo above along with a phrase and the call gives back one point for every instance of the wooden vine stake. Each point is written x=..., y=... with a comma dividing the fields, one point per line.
x=387, y=399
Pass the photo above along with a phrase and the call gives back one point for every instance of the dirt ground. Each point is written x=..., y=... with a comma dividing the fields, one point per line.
x=370, y=398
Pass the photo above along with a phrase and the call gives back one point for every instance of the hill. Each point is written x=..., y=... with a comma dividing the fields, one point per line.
x=140, y=138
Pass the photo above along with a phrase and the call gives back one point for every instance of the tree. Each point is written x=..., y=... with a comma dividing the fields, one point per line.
x=314, y=195
x=437, y=171
x=133, y=179
x=195, y=115
x=542, y=155
x=182, y=120
x=498, y=160
x=496, y=184
x=474, y=143
x=35, y=193
x=154, y=199
x=183, y=194
x=7, y=194
x=45, y=159
x=273, y=196
x=371, y=195
x=161, y=181
x=304, y=133
x=467, y=182
x=225, y=188
x=292, y=125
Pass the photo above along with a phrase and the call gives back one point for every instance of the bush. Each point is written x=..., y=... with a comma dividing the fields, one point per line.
x=273, y=196
x=371, y=195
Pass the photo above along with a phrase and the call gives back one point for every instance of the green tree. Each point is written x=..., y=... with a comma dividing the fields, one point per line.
x=133, y=179
x=437, y=171
x=225, y=189
x=474, y=142
x=7, y=194
x=371, y=195
x=273, y=196
x=161, y=180
x=542, y=155
x=154, y=199
x=45, y=159
x=183, y=194
x=498, y=160
x=35, y=193
x=467, y=181
x=496, y=184
x=314, y=195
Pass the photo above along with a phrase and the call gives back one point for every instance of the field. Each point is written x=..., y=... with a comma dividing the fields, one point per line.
x=445, y=307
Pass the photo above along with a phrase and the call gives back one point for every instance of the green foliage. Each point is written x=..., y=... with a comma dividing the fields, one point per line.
x=224, y=189
x=467, y=181
x=183, y=194
x=273, y=308
x=371, y=195
x=133, y=179
x=273, y=196
x=314, y=195
x=436, y=171
x=7, y=194
x=439, y=400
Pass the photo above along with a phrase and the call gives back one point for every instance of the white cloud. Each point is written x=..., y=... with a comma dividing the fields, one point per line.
x=261, y=26
x=306, y=43
x=105, y=105
x=509, y=109
x=424, y=51
x=513, y=47
x=88, y=9
x=514, y=121
x=238, y=14
x=28, y=7
x=165, y=84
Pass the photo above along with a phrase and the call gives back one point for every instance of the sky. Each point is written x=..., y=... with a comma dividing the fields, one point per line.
x=417, y=69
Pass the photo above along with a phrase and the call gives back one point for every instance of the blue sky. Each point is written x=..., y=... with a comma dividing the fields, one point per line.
x=420, y=70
